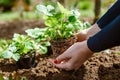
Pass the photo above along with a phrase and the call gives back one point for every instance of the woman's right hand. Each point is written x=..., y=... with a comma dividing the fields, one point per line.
x=85, y=34
x=73, y=57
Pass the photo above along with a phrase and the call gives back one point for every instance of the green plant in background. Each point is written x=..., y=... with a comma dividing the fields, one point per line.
x=6, y=5
x=6, y=2
x=85, y=5
x=39, y=38
x=24, y=44
x=61, y=23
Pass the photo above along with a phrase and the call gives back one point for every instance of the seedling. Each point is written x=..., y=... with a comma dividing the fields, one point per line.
x=61, y=23
x=24, y=44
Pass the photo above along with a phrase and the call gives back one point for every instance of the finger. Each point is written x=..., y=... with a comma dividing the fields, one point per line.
x=64, y=66
x=51, y=61
x=62, y=58
x=61, y=65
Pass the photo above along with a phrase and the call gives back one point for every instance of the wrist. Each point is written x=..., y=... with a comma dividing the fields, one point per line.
x=81, y=36
x=88, y=50
x=92, y=30
x=84, y=51
x=85, y=47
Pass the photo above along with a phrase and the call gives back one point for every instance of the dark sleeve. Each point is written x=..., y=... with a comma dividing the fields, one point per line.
x=109, y=15
x=108, y=37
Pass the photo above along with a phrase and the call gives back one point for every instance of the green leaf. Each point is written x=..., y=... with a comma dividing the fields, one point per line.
x=16, y=56
x=86, y=25
x=46, y=44
x=44, y=9
x=12, y=48
x=41, y=8
x=76, y=13
x=72, y=19
x=36, y=32
x=16, y=37
x=50, y=8
x=62, y=9
x=28, y=45
x=59, y=33
x=59, y=16
x=36, y=46
x=67, y=34
x=51, y=22
x=69, y=27
x=63, y=23
x=19, y=38
x=7, y=54
x=43, y=49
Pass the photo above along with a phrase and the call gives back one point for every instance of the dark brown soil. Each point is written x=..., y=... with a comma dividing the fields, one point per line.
x=59, y=46
x=101, y=66
x=7, y=29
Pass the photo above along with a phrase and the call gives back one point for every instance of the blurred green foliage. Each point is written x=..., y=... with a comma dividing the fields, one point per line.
x=8, y=16
x=6, y=2
x=86, y=8
x=6, y=5
x=85, y=5
x=29, y=2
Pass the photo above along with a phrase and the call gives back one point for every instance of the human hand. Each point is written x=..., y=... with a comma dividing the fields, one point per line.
x=81, y=36
x=85, y=34
x=73, y=57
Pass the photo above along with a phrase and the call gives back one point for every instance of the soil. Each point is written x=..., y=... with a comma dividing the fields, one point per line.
x=59, y=46
x=101, y=66
x=7, y=29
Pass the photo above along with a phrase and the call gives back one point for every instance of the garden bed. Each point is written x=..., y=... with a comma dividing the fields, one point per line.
x=101, y=66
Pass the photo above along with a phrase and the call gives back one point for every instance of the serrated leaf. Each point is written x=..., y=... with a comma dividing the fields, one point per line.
x=43, y=9
x=50, y=8
x=7, y=54
x=36, y=32
x=16, y=56
x=12, y=48
x=16, y=37
x=43, y=49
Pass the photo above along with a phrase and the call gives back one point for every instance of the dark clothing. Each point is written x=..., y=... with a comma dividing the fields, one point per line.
x=109, y=36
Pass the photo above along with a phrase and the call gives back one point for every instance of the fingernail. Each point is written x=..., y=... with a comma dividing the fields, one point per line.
x=55, y=61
